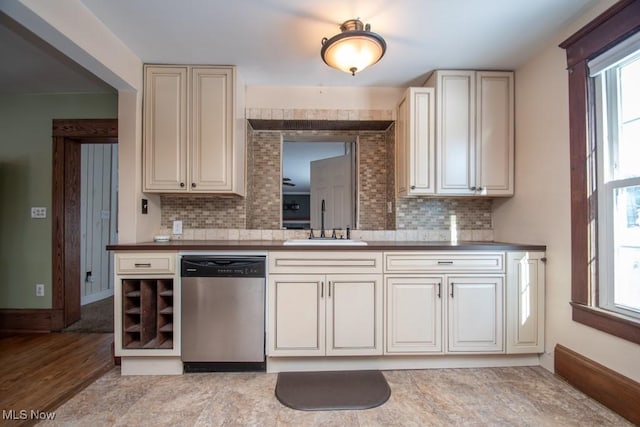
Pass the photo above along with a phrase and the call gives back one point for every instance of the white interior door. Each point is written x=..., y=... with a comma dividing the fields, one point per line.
x=331, y=181
x=97, y=215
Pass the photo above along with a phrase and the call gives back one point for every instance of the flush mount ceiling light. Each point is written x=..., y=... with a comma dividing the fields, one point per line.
x=354, y=49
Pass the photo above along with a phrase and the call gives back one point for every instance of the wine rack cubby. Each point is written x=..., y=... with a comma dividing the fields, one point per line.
x=147, y=313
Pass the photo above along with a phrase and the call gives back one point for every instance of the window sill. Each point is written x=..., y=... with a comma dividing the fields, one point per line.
x=606, y=321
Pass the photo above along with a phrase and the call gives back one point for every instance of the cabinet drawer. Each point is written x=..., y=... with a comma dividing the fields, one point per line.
x=145, y=263
x=414, y=262
x=325, y=262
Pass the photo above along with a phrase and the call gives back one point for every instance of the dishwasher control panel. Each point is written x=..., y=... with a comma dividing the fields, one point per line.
x=209, y=266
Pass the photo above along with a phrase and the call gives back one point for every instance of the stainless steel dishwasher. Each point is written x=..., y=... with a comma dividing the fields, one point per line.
x=223, y=313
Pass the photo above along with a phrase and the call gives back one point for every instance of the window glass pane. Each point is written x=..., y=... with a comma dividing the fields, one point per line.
x=630, y=82
x=626, y=217
x=628, y=150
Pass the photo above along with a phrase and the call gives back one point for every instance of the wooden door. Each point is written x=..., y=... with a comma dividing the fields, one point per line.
x=413, y=314
x=475, y=319
x=98, y=209
x=354, y=315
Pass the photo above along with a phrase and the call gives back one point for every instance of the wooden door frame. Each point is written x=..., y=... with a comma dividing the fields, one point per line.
x=68, y=137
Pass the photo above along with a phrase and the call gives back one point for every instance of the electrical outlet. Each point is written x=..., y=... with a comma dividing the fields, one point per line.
x=39, y=290
x=37, y=212
x=177, y=227
x=389, y=207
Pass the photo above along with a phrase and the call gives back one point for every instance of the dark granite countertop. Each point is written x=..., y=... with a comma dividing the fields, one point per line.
x=277, y=245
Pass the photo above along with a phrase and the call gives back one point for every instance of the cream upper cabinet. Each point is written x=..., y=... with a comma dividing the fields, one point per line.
x=194, y=137
x=415, y=150
x=525, y=302
x=165, y=128
x=474, y=128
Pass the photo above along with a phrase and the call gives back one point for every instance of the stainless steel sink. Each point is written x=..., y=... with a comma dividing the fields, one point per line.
x=324, y=242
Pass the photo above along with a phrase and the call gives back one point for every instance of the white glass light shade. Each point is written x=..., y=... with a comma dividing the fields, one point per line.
x=354, y=49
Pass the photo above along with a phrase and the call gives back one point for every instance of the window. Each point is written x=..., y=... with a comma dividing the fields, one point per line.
x=616, y=170
x=604, y=104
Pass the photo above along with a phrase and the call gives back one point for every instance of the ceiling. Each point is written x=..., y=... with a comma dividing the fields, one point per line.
x=277, y=42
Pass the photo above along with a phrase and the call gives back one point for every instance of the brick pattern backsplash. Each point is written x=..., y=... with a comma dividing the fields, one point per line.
x=372, y=174
x=438, y=214
x=258, y=215
x=203, y=211
x=263, y=184
x=390, y=136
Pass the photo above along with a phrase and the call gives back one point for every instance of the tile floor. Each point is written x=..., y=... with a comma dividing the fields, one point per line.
x=524, y=396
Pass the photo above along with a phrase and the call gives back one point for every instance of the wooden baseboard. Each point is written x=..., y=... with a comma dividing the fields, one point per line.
x=615, y=391
x=28, y=320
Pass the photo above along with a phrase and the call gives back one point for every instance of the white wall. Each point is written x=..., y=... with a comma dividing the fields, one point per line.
x=540, y=210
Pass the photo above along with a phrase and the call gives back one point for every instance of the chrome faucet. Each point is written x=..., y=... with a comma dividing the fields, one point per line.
x=322, y=209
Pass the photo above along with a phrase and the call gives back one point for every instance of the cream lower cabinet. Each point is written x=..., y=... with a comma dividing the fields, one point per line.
x=333, y=314
x=318, y=315
x=444, y=302
x=413, y=322
x=525, y=302
x=475, y=313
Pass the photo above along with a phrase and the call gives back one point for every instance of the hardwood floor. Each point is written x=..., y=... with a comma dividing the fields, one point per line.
x=39, y=372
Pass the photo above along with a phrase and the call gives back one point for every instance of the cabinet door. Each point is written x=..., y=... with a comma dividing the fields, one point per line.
x=354, y=315
x=525, y=302
x=212, y=155
x=455, y=134
x=415, y=143
x=494, y=133
x=165, y=129
x=475, y=314
x=297, y=315
x=413, y=313
x=402, y=147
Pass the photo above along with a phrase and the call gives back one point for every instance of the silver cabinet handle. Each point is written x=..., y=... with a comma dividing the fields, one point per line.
x=439, y=290
x=329, y=289
x=445, y=262
x=142, y=264
x=452, y=287
x=321, y=289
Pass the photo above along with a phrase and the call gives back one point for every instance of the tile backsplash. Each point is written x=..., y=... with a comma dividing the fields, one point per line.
x=257, y=217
